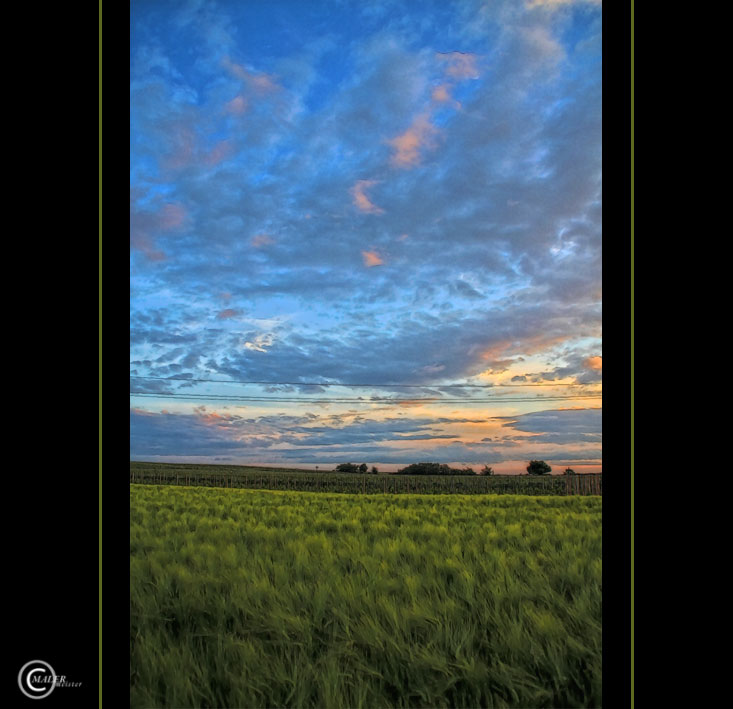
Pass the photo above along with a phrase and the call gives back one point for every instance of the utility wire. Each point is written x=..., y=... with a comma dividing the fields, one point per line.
x=333, y=400
x=335, y=384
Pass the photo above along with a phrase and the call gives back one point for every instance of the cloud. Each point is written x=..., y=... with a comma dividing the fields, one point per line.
x=227, y=313
x=441, y=94
x=460, y=65
x=262, y=240
x=260, y=342
x=222, y=150
x=237, y=106
x=559, y=421
x=408, y=145
x=258, y=82
x=310, y=437
x=371, y=258
x=363, y=202
x=257, y=130
x=559, y=3
x=148, y=224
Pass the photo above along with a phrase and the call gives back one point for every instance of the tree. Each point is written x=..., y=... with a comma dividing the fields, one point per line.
x=347, y=468
x=538, y=467
x=568, y=471
x=433, y=469
x=374, y=470
x=486, y=470
x=363, y=468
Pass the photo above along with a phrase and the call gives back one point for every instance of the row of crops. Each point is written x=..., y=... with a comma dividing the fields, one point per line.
x=269, y=479
x=252, y=598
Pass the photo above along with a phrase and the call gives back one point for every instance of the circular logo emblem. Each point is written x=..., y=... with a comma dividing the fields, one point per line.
x=36, y=679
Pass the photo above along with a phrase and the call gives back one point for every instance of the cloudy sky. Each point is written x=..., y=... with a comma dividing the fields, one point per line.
x=399, y=196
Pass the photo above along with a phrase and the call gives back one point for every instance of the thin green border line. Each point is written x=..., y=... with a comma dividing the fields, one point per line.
x=99, y=314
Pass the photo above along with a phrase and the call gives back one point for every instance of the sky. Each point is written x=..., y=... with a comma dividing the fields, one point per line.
x=402, y=198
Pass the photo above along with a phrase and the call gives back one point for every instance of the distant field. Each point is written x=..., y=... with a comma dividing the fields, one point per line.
x=239, y=476
x=244, y=598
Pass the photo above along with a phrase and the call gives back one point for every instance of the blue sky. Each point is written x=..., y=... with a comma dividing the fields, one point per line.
x=376, y=193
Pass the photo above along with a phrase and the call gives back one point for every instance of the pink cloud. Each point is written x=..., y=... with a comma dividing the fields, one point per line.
x=361, y=200
x=172, y=216
x=219, y=152
x=460, y=65
x=412, y=141
x=146, y=223
x=371, y=258
x=441, y=93
x=144, y=244
x=262, y=240
x=256, y=81
x=226, y=314
x=594, y=363
x=237, y=105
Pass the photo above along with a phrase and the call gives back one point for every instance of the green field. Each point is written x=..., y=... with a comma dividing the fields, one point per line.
x=243, y=598
x=261, y=478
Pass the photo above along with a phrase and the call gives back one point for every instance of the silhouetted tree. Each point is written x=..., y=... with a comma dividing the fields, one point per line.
x=347, y=468
x=374, y=470
x=363, y=468
x=433, y=469
x=538, y=467
x=486, y=470
x=568, y=471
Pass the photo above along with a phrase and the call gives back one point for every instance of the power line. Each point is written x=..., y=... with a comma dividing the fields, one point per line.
x=355, y=386
x=334, y=400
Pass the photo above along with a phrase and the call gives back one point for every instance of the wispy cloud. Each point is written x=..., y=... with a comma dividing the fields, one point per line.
x=259, y=240
x=460, y=65
x=361, y=201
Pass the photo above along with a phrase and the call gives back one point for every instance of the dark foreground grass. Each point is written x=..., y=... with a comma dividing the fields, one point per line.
x=246, y=598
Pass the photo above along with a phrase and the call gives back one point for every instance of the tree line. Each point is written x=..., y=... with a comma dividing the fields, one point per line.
x=535, y=467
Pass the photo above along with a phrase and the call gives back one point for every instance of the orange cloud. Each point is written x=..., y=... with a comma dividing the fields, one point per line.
x=594, y=363
x=409, y=144
x=361, y=200
x=501, y=354
x=371, y=258
x=210, y=418
x=440, y=93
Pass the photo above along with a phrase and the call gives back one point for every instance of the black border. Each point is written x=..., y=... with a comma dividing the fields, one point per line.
x=617, y=220
x=50, y=494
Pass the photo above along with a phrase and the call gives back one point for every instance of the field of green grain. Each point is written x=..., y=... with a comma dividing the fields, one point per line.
x=240, y=476
x=251, y=598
